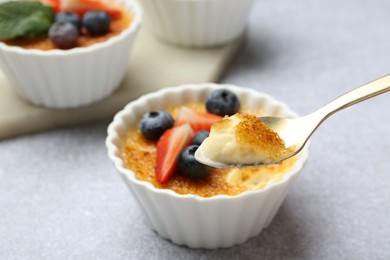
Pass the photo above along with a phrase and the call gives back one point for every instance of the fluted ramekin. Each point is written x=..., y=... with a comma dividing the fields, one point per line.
x=197, y=23
x=75, y=77
x=191, y=220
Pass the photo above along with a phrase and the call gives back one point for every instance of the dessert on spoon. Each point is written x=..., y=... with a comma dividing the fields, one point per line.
x=245, y=141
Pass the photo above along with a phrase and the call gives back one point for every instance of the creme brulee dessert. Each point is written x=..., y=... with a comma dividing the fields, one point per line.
x=151, y=143
x=161, y=150
x=61, y=24
x=243, y=139
x=67, y=53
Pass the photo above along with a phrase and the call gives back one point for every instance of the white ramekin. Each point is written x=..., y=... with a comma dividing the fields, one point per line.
x=197, y=23
x=75, y=77
x=191, y=220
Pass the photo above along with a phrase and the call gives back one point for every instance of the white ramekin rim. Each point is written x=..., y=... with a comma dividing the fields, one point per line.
x=134, y=25
x=198, y=1
x=129, y=175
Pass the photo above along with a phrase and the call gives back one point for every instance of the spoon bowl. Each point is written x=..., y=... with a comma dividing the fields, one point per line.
x=296, y=132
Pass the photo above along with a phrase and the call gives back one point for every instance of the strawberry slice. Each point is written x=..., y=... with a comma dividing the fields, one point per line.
x=169, y=146
x=82, y=6
x=54, y=4
x=197, y=120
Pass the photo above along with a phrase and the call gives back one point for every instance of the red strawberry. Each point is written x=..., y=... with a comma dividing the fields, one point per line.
x=82, y=6
x=55, y=4
x=197, y=120
x=169, y=146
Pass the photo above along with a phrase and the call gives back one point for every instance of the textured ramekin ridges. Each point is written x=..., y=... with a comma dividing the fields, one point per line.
x=210, y=223
x=197, y=23
x=71, y=78
x=190, y=220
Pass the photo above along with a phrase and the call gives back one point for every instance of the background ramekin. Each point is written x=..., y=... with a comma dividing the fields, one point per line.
x=197, y=23
x=75, y=77
x=191, y=220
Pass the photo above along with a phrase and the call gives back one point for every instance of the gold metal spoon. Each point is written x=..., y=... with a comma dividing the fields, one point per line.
x=296, y=132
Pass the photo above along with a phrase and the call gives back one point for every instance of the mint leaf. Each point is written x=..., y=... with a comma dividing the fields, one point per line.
x=19, y=19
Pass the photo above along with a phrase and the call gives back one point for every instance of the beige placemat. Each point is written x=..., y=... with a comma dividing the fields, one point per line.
x=152, y=65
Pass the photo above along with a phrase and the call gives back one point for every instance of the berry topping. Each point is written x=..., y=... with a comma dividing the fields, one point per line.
x=200, y=136
x=197, y=120
x=54, y=4
x=222, y=102
x=169, y=146
x=97, y=23
x=81, y=7
x=153, y=124
x=64, y=35
x=66, y=17
x=189, y=167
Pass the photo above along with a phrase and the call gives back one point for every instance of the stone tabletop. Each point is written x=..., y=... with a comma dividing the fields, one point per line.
x=60, y=197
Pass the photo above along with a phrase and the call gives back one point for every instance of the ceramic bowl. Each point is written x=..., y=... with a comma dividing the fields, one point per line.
x=191, y=220
x=71, y=78
x=197, y=23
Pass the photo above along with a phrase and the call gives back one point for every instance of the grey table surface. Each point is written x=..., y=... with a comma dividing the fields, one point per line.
x=60, y=197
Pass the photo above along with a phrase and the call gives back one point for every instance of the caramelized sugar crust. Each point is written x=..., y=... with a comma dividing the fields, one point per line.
x=251, y=132
x=84, y=40
x=139, y=155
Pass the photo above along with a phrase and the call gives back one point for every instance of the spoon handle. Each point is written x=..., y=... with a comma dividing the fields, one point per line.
x=353, y=97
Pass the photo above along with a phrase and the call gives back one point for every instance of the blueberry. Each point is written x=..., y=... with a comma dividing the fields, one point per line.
x=96, y=22
x=153, y=124
x=189, y=167
x=200, y=136
x=67, y=17
x=222, y=102
x=64, y=35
